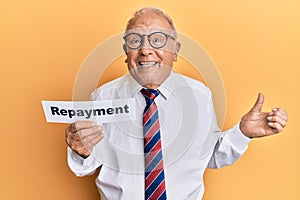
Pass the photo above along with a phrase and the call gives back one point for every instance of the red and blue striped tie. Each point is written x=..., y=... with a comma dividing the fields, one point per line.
x=155, y=188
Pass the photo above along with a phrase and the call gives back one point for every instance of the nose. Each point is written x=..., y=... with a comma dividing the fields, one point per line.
x=146, y=48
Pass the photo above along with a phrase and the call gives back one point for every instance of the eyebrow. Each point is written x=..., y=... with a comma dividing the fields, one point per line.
x=172, y=35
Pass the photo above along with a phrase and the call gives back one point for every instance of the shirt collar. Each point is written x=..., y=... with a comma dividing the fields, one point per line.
x=134, y=86
x=166, y=88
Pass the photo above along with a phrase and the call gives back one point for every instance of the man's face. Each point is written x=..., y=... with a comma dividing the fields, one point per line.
x=148, y=65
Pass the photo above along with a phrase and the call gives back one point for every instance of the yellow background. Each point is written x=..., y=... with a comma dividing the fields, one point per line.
x=255, y=45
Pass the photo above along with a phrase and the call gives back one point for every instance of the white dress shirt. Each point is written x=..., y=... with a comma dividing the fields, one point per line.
x=191, y=141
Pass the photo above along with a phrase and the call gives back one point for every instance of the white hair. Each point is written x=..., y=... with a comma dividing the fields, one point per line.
x=150, y=9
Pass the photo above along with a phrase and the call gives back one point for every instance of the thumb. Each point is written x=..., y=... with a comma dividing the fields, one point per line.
x=259, y=103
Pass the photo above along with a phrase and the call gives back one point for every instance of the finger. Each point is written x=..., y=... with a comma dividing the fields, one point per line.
x=76, y=126
x=83, y=151
x=75, y=143
x=258, y=104
x=93, y=141
x=280, y=112
x=68, y=137
x=86, y=140
x=277, y=119
x=82, y=137
x=276, y=127
x=77, y=146
x=87, y=148
x=89, y=132
x=71, y=137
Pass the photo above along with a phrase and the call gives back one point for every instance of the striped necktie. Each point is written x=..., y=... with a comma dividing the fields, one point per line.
x=155, y=188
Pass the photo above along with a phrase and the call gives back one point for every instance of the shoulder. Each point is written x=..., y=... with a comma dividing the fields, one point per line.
x=193, y=92
x=197, y=86
x=109, y=89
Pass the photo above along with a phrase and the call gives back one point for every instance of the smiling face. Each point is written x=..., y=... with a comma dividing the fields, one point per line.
x=151, y=66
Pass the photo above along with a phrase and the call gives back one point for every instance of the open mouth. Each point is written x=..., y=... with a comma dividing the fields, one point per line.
x=147, y=63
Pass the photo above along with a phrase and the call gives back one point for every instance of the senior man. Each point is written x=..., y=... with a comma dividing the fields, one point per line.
x=175, y=136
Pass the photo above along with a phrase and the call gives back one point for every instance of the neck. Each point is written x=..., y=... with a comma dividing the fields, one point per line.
x=151, y=86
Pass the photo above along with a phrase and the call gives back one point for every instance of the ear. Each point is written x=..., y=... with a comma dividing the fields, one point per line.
x=177, y=47
x=125, y=48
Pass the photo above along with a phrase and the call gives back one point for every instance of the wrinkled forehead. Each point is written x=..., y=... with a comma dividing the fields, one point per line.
x=149, y=30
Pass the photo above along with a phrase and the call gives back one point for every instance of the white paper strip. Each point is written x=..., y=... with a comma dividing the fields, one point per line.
x=103, y=111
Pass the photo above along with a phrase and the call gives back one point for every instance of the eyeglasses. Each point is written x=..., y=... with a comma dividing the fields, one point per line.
x=157, y=40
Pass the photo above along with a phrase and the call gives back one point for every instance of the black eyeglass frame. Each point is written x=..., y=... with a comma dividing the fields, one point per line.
x=148, y=37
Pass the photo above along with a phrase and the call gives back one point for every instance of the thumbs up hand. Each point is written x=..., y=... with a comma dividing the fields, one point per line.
x=259, y=124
